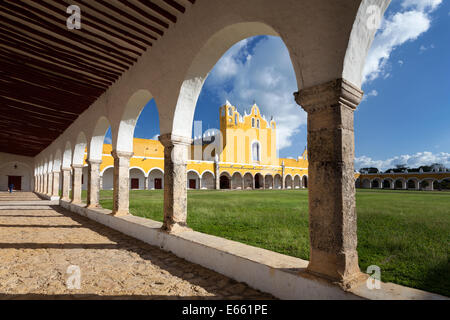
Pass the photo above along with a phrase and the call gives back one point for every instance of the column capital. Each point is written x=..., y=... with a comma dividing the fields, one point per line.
x=77, y=166
x=94, y=161
x=121, y=154
x=338, y=91
x=65, y=169
x=169, y=139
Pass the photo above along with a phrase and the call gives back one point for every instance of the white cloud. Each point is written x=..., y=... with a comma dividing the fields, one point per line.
x=400, y=62
x=415, y=160
x=265, y=75
x=372, y=93
x=396, y=30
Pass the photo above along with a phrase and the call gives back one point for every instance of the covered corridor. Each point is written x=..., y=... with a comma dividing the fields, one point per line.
x=39, y=241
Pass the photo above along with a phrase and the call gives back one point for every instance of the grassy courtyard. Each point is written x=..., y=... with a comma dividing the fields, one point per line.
x=406, y=233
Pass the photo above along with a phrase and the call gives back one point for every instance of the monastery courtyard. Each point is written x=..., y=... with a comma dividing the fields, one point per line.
x=35, y=259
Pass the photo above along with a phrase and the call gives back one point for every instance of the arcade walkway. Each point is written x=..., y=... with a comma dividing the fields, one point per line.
x=39, y=241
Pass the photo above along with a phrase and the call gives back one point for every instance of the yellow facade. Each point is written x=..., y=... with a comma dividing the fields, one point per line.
x=245, y=144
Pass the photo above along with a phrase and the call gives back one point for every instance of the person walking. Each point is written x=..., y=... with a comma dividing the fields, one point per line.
x=11, y=188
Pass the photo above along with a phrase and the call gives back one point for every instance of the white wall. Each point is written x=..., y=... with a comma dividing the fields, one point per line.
x=25, y=169
x=107, y=179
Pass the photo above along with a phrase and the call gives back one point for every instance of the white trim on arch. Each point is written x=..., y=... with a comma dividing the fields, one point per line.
x=155, y=168
x=206, y=172
x=103, y=171
x=140, y=169
x=193, y=170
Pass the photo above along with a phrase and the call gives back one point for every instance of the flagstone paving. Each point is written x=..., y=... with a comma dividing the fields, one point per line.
x=40, y=242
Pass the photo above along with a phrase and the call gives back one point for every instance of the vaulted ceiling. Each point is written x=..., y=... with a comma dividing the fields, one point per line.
x=49, y=74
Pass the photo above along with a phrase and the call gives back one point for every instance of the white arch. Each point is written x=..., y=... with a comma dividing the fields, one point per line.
x=104, y=169
x=140, y=169
x=214, y=48
x=123, y=134
x=95, y=151
x=57, y=161
x=79, y=150
x=192, y=170
x=67, y=155
x=155, y=168
x=208, y=171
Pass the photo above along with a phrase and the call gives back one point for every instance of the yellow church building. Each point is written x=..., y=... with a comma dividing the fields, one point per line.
x=241, y=155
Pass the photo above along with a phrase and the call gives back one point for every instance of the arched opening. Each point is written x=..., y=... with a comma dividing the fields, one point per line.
x=288, y=182
x=277, y=181
x=248, y=181
x=375, y=184
x=156, y=179
x=305, y=181
x=259, y=181
x=193, y=180
x=268, y=179
x=444, y=184
x=412, y=184
x=387, y=184
x=137, y=179
x=366, y=184
x=297, y=182
x=399, y=184
x=107, y=182
x=225, y=181
x=207, y=181
x=256, y=151
x=236, y=181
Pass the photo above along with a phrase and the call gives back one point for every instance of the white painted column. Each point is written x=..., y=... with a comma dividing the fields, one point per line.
x=404, y=184
x=55, y=189
x=93, y=183
x=49, y=184
x=332, y=210
x=175, y=181
x=146, y=186
x=121, y=193
x=76, y=182
x=66, y=172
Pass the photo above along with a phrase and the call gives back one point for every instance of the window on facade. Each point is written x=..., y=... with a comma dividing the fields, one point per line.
x=253, y=122
x=255, y=151
x=230, y=112
x=257, y=123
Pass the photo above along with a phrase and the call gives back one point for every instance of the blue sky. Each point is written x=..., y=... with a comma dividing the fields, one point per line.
x=404, y=117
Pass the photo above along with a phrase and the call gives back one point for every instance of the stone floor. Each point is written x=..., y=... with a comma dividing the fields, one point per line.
x=39, y=242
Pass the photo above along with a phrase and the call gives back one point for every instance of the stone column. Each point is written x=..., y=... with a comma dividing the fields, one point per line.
x=243, y=183
x=38, y=184
x=76, y=182
x=49, y=184
x=175, y=179
x=121, y=193
x=332, y=213
x=217, y=172
x=65, y=184
x=282, y=175
x=146, y=186
x=55, y=191
x=93, y=183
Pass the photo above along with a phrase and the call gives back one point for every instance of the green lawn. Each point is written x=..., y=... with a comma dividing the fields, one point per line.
x=406, y=233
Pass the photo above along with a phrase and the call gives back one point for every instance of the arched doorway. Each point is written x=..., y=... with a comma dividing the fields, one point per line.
x=305, y=182
x=236, y=181
x=156, y=179
x=248, y=181
x=207, y=181
x=288, y=182
x=268, y=180
x=224, y=181
x=259, y=181
x=193, y=180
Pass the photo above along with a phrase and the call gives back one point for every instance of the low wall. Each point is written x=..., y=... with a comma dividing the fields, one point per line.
x=280, y=275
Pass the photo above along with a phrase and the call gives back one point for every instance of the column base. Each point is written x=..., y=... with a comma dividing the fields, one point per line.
x=120, y=213
x=93, y=206
x=175, y=228
x=342, y=269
